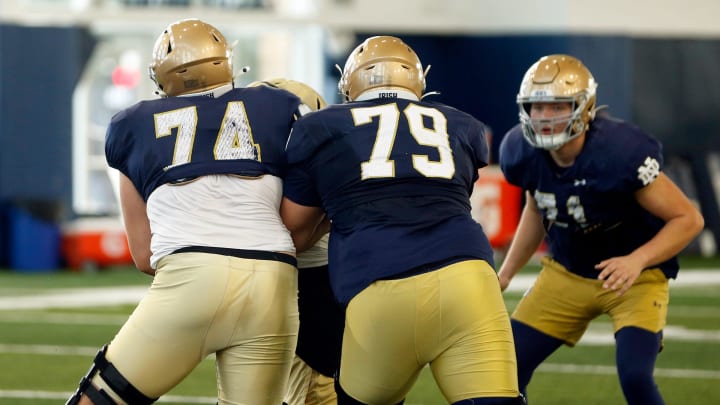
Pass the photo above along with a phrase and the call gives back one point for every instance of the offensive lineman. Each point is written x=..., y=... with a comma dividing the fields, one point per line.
x=200, y=189
x=407, y=261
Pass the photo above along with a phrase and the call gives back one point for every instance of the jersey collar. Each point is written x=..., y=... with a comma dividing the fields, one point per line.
x=387, y=93
x=212, y=93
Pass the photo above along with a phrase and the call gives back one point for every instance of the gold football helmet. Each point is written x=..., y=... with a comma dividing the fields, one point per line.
x=381, y=61
x=557, y=79
x=190, y=56
x=305, y=93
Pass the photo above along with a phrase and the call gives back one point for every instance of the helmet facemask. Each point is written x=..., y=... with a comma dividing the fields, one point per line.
x=575, y=123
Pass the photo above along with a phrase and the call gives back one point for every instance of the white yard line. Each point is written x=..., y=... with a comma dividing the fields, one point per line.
x=611, y=370
x=544, y=368
x=76, y=298
x=601, y=334
x=55, y=350
x=686, y=278
x=65, y=395
x=99, y=296
x=62, y=318
x=49, y=350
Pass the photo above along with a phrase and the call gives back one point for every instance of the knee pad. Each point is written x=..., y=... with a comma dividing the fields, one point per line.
x=112, y=377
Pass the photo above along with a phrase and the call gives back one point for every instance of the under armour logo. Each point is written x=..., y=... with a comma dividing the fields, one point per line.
x=579, y=182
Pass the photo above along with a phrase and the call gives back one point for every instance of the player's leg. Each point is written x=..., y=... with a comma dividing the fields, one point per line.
x=379, y=361
x=464, y=333
x=163, y=339
x=639, y=316
x=532, y=347
x=317, y=355
x=255, y=334
x=298, y=383
x=307, y=386
x=556, y=310
x=104, y=385
x=636, y=353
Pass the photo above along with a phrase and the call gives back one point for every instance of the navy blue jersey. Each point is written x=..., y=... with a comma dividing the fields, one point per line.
x=589, y=209
x=242, y=132
x=395, y=179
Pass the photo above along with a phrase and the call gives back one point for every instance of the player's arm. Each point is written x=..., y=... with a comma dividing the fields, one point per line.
x=683, y=222
x=306, y=224
x=528, y=237
x=137, y=225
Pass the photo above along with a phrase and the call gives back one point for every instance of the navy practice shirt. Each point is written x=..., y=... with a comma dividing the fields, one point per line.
x=242, y=132
x=589, y=209
x=395, y=177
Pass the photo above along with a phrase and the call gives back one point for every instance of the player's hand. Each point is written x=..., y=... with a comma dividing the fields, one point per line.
x=150, y=272
x=619, y=273
x=504, y=280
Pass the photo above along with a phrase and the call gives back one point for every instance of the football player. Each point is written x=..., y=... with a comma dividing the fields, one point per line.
x=614, y=223
x=393, y=175
x=200, y=189
x=317, y=355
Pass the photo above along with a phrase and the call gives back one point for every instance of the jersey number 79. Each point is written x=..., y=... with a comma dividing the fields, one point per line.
x=380, y=165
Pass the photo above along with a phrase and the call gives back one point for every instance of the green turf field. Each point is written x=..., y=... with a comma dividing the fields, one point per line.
x=47, y=342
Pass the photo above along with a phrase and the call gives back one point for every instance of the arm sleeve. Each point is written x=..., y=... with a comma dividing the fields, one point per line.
x=298, y=185
x=639, y=161
x=115, y=148
x=510, y=157
x=477, y=134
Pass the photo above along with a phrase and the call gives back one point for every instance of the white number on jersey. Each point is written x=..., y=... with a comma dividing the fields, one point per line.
x=380, y=165
x=234, y=140
x=548, y=203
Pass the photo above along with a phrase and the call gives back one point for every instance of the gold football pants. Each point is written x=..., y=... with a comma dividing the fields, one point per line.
x=562, y=304
x=242, y=310
x=453, y=319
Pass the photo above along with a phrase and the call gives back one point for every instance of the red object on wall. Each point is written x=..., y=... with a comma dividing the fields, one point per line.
x=496, y=205
x=91, y=243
